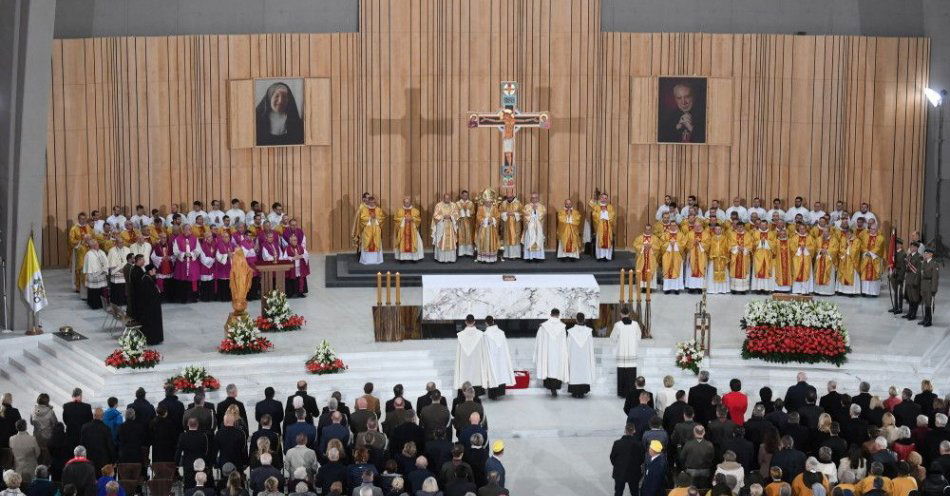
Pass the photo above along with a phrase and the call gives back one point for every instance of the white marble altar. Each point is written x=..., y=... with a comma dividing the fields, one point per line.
x=528, y=296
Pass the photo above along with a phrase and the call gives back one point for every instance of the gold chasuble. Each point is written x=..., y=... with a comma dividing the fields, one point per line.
x=371, y=232
x=740, y=249
x=673, y=246
x=510, y=212
x=826, y=249
x=444, y=222
x=646, y=247
x=762, y=253
x=719, y=247
x=872, y=258
x=782, y=261
x=804, y=251
x=406, y=234
x=77, y=243
x=697, y=243
x=486, y=235
x=357, y=224
x=466, y=230
x=604, y=219
x=569, y=232
x=849, y=258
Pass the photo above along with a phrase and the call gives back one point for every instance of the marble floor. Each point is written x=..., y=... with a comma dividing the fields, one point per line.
x=555, y=446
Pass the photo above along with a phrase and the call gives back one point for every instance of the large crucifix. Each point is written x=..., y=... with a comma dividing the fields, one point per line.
x=509, y=120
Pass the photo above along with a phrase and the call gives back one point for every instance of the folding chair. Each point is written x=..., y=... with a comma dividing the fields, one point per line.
x=110, y=317
x=130, y=477
x=164, y=470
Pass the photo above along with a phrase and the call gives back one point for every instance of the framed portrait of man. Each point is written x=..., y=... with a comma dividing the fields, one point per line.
x=681, y=112
x=278, y=111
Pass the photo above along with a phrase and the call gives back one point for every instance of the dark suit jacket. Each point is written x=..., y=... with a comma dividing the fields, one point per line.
x=492, y=490
x=222, y=408
x=791, y=461
x=75, y=416
x=424, y=401
x=633, y=400
x=906, y=413
x=795, y=396
x=97, y=438
x=144, y=411
x=176, y=409
x=926, y=402
x=626, y=457
x=82, y=475
x=191, y=446
x=808, y=415
x=654, y=477
x=309, y=404
x=832, y=404
x=270, y=407
x=864, y=401
x=408, y=431
x=673, y=415
x=855, y=431
x=700, y=398
x=391, y=404
x=231, y=446
x=275, y=445
x=640, y=416
x=204, y=415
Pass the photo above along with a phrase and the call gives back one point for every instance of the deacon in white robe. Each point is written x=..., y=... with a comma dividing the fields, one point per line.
x=116, y=260
x=580, y=358
x=532, y=237
x=550, y=353
x=95, y=267
x=626, y=337
x=499, y=357
x=471, y=357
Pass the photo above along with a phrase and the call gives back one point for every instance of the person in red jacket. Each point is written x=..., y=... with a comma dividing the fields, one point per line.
x=736, y=401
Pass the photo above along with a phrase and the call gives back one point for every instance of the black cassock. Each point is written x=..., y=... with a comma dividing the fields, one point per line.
x=148, y=306
x=133, y=281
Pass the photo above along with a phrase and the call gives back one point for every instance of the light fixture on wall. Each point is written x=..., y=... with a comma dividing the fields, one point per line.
x=936, y=99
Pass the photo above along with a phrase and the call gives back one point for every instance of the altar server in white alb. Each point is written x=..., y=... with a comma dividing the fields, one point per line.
x=471, y=357
x=550, y=353
x=532, y=237
x=499, y=356
x=580, y=354
x=626, y=337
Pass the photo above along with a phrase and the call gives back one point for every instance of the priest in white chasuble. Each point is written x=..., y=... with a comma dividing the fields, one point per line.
x=486, y=234
x=444, y=229
x=117, y=259
x=569, y=242
x=371, y=232
x=407, y=242
x=580, y=357
x=510, y=214
x=466, y=227
x=550, y=353
x=471, y=357
x=533, y=236
x=603, y=216
x=95, y=269
x=499, y=356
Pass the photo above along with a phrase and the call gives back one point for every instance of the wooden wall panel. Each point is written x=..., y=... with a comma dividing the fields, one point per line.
x=241, y=91
x=147, y=119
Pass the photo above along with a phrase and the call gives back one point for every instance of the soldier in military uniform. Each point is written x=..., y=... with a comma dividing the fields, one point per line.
x=896, y=278
x=929, y=280
x=912, y=280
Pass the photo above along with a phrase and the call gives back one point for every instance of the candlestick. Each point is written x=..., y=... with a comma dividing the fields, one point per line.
x=398, y=287
x=379, y=288
x=636, y=285
x=648, y=292
x=623, y=276
x=389, y=285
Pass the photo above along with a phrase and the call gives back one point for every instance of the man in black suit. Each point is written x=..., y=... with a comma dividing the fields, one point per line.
x=798, y=432
x=438, y=450
x=270, y=407
x=231, y=445
x=654, y=476
x=309, y=405
x=864, y=399
x=408, y=431
x=144, y=411
x=633, y=397
x=97, y=438
x=223, y=406
x=855, y=430
x=192, y=445
x=907, y=410
x=832, y=404
x=700, y=398
x=836, y=443
x=426, y=399
x=795, y=396
x=340, y=407
x=397, y=393
x=926, y=398
x=789, y=459
x=809, y=412
x=933, y=438
x=201, y=411
x=174, y=407
x=626, y=457
x=742, y=447
x=76, y=414
x=674, y=412
x=267, y=430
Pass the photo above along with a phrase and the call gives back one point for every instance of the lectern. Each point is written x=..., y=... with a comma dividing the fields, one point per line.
x=272, y=277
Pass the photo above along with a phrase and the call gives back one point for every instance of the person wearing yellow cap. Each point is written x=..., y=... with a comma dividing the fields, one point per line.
x=654, y=471
x=493, y=464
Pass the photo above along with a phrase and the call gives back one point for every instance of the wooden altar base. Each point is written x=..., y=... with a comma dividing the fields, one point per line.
x=397, y=322
x=343, y=270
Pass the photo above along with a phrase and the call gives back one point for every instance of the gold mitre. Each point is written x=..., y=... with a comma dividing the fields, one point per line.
x=489, y=194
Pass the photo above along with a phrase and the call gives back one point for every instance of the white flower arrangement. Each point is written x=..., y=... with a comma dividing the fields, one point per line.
x=242, y=331
x=194, y=373
x=689, y=355
x=132, y=343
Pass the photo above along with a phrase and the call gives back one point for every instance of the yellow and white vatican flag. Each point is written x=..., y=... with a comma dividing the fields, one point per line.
x=31, y=280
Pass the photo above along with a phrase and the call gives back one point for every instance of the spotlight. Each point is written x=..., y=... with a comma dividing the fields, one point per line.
x=935, y=97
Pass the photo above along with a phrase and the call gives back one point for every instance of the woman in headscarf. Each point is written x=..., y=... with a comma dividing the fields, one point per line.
x=278, y=119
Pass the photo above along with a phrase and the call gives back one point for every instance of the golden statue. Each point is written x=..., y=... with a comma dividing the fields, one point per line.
x=240, y=282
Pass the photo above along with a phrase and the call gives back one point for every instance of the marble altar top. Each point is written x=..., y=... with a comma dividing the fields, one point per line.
x=528, y=296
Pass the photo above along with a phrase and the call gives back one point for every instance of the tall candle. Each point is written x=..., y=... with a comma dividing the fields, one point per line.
x=398, y=287
x=623, y=275
x=379, y=288
x=389, y=285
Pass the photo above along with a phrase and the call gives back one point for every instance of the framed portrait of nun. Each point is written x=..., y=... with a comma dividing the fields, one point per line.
x=278, y=111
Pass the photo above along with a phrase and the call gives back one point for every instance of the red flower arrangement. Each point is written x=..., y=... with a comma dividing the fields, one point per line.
x=258, y=345
x=318, y=368
x=293, y=323
x=242, y=338
x=146, y=360
x=192, y=379
x=795, y=344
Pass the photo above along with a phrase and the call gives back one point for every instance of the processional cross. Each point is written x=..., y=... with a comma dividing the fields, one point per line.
x=509, y=120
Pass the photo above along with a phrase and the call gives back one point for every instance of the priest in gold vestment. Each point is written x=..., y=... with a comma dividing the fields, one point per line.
x=407, y=242
x=569, y=241
x=466, y=227
x=826, y=251
x=717, y=272
x=740, y=250
x=354, y=232
x=803, y=245
x=371, y=233
x=532, y=236
x=782, y=261
x=79, y=234
x=646, y=246
x=697, y=258
x=673, y=248
x=510, y=214
x=763, y=238
x=486, y=234
x=603, y=217
x=850, y=249
x=872, y=262
x=445, y=229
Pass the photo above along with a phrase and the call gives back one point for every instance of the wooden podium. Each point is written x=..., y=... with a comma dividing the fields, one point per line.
x=272, y=277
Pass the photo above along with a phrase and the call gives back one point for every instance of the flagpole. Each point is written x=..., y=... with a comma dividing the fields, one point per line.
x=35, y=329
